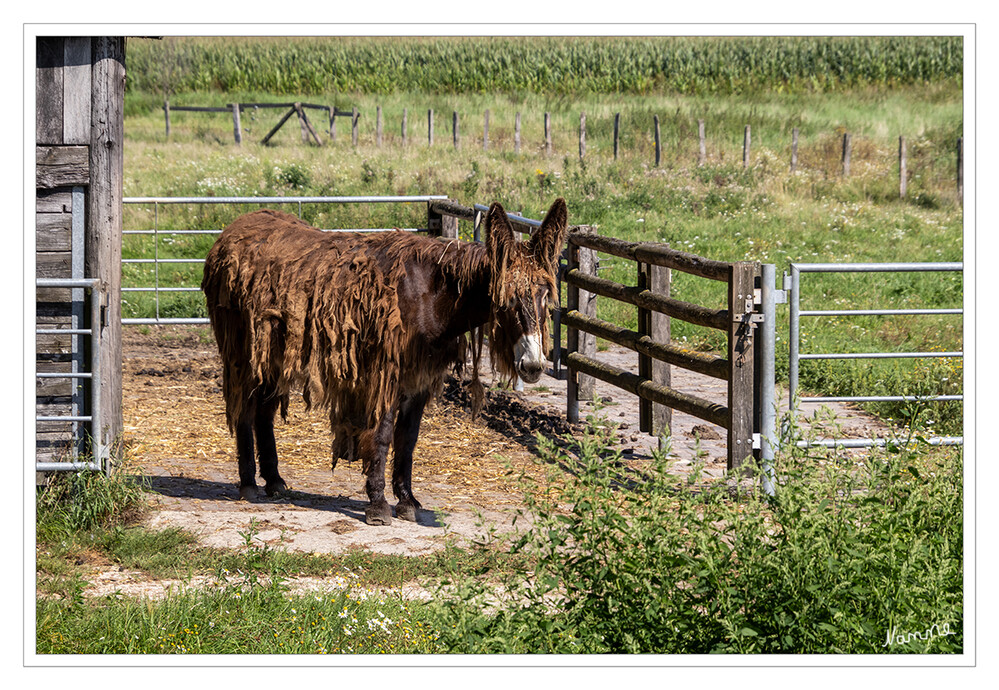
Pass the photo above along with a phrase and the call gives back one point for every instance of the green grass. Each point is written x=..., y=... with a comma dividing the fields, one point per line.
x=846, y=553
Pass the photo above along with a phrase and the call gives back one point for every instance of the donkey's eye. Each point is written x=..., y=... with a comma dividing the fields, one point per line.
x=511, y=303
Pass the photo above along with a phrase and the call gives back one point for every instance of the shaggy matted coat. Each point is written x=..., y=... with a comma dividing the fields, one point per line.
x=343, y=315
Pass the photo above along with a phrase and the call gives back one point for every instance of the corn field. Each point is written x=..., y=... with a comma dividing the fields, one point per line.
x=565, y=65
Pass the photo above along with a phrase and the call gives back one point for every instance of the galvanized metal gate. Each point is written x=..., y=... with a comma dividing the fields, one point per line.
x=793, y=285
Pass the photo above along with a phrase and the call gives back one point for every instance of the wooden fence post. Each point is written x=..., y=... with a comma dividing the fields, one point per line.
x=654, y=418
x=659, y=146
x=902, y=172
x=166, y=114
x=485, y=132
x=847, y=147
x=405, y=114
x=430, y=127
x=746, y=137
x=454, y=130
x=236, y=129
x=702, y=151
x=441, y=224
x=354, y=118
x=378, y=126
x=548, y=134
x=516, y=134
x=794, y=149
x=742, y=281
x=333, y=123
x=960, y=168
x=617, y=129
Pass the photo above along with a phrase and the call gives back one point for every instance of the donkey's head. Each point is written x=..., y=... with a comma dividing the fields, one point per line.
x=522, y=289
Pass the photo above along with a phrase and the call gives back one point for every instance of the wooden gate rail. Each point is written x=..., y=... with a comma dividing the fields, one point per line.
x=699, y=362
x=645, y=299
x=738, y=321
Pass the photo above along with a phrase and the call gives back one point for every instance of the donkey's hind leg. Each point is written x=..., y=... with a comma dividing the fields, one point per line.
x=263, y=427
x=244, y=456
x=407, y=430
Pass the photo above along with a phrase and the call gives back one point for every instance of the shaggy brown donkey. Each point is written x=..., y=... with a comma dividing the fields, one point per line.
x=369, y=326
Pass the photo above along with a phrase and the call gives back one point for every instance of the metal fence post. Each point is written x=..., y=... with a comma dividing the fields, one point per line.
x=794, y=335
x=766, y=374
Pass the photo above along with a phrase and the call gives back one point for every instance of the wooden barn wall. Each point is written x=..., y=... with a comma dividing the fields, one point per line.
x=62, y=154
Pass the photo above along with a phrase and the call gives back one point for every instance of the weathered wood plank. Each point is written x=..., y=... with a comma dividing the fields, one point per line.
x=76, y=90
x=654, y=253
x=49, y=56
x=53, y=232
x=61, y=166
x=452, y=208
x=636, y=385
x=59, y=200
x=692, y=360
x=685, y=311
x=53, y=265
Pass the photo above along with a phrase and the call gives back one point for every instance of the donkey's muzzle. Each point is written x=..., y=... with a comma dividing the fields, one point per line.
x=528, y=358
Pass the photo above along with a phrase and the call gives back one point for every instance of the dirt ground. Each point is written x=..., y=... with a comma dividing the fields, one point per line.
x=177, y=438
x=465, y=471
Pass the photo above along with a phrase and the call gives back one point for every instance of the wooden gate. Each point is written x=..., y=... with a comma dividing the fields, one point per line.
x=651, y=296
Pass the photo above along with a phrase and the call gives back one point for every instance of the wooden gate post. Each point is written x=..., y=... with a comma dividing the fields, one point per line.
x=741, y=284
x=579, y=386
x=654, y=418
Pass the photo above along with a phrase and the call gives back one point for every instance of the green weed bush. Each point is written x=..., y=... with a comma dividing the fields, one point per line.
x=846, y=555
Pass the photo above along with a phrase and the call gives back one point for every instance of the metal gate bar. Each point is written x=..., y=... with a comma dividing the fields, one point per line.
x=98, y=449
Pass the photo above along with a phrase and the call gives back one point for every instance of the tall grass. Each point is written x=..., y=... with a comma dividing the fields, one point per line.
x=847, y=556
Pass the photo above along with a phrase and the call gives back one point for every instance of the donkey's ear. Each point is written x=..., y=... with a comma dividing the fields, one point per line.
x=499, y=233
x=546, y=244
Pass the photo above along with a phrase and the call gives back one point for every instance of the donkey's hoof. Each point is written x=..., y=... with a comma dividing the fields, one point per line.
x=406, y=511
x=378, y=514
x=248, y=493
x=278, y=487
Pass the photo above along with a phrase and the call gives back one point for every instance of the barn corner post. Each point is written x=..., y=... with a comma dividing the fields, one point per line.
x=741, y=303
x=104, y=228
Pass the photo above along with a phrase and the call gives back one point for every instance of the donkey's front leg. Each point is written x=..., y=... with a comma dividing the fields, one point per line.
x=407, y=430
x=374, y=450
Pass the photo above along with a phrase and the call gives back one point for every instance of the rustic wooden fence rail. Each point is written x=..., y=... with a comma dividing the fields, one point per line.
x=309, y=133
